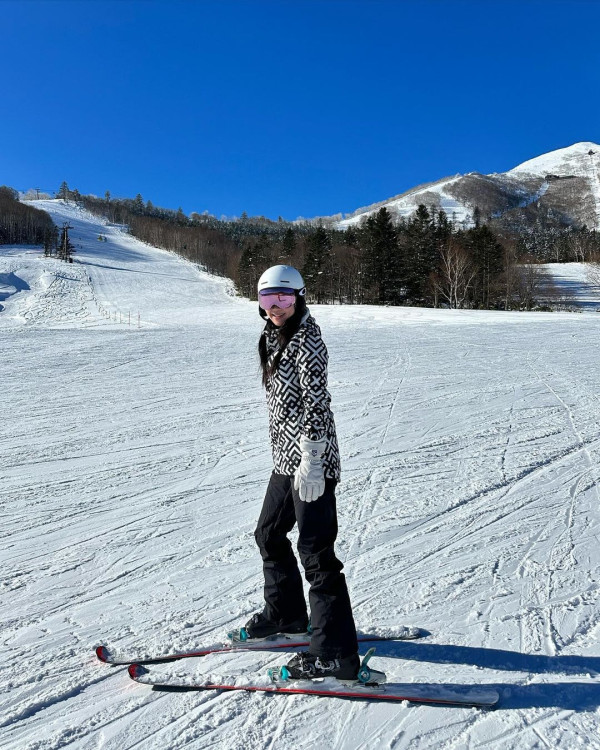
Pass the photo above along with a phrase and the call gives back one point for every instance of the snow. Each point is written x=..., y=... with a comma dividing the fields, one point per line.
x=407, y=204
x=133, y=462
x=575, y=284
x=563, y=162
x=579, y=160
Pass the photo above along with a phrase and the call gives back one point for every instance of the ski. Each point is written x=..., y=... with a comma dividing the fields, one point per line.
x=110, y=655
x=424, y=693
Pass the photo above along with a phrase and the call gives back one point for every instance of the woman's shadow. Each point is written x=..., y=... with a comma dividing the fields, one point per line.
x=583, y=695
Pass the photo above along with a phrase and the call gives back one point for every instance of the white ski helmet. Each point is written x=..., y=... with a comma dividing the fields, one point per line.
x=283, y=277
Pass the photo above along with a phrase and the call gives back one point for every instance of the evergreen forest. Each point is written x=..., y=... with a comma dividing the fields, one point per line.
x=22, y=224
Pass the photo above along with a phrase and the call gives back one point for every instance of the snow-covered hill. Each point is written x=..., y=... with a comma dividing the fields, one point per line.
x=565, y=182
x=133, y=463
x=581, y=159
x=116, y=280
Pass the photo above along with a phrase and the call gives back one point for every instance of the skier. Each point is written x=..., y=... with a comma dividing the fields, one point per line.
x=301, y=488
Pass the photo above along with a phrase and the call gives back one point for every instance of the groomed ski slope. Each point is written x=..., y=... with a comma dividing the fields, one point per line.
x=133, y=463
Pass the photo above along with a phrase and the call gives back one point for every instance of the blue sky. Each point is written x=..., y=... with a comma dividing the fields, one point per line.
x=288, y=107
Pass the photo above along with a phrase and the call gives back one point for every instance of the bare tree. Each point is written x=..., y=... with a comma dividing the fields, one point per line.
x=581, y=245
x=530, y=283
x=433, y=287
x=510, y=275
x=33, y=194
x=456, y=276
x=593, y=270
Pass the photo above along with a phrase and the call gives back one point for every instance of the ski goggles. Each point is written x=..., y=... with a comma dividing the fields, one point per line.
x=283, y=298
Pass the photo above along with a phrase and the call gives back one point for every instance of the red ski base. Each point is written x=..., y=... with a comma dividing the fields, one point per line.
x=108, y=656
x=479, y=697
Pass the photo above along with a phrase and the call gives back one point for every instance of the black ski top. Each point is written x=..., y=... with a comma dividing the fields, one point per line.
x=298, y=399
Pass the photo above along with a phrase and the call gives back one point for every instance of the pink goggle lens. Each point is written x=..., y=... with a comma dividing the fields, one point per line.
x=281, y=299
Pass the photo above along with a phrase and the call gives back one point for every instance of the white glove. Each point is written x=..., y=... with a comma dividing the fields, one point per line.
x=309, y=479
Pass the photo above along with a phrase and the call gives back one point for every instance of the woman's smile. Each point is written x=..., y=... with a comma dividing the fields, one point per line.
x=279, y=315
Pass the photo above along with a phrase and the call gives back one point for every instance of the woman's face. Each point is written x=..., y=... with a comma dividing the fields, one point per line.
x=279, y=315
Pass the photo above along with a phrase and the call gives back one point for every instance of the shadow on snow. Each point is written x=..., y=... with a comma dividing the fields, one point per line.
x=488, y=658
x=575, y=696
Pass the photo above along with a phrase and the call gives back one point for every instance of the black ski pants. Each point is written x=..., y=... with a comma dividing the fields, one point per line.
x=333, y=630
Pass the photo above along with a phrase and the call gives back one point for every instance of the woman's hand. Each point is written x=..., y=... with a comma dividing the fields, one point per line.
x=309, y=479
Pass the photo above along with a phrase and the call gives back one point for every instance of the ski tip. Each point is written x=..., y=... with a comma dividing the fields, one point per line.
x=411, y=632
x=103, y=654
x=493, y=699
x=136, y=671
x=404, y=633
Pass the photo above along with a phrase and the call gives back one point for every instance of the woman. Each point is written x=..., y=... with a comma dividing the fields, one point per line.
x=301, y=488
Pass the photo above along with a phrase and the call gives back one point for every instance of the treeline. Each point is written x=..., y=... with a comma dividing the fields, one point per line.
x=424, y=260
x=168, y=229
x=420, y=261
x=559, y=245
x=21, y=224
x=172, y=230
x=215, y=244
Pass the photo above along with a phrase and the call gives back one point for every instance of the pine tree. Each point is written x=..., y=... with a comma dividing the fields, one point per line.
x=247, y=272
x=382, y=259
x=255, y=258
x=63, y=191
x=443, y=228
x=50, y=239
x=420, y=243
x=288, y=244
x=348, y=277
x=316, y=260
x=487, y=254
x=351, y=237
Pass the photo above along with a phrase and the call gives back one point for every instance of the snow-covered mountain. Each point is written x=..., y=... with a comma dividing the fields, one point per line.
x=563, y=184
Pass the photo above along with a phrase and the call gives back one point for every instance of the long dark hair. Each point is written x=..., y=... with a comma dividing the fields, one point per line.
x=284, y=336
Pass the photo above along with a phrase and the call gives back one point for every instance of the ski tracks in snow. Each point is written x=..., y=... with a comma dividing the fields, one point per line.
x=133, y=469
x=541, y=487
x=378, y=477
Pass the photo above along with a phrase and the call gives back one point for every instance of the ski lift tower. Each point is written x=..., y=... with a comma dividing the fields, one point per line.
x=66, y=248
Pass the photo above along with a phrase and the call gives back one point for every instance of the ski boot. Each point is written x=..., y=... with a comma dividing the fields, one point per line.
x=348, y=670
x=260, y=628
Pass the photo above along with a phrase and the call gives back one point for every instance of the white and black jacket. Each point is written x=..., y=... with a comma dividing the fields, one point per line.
x=298, y=399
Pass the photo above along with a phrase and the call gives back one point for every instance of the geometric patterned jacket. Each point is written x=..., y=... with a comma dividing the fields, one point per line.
x=298, y=399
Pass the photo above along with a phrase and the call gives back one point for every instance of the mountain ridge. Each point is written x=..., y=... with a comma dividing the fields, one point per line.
x=561, y=187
